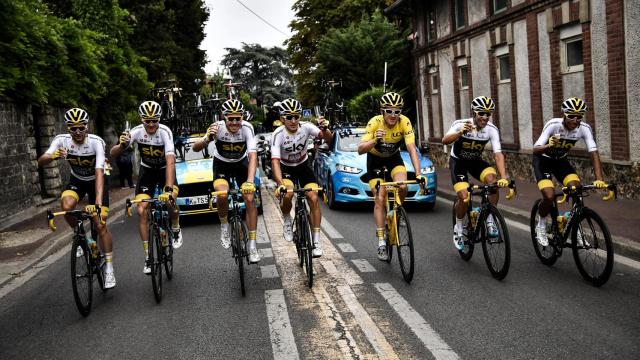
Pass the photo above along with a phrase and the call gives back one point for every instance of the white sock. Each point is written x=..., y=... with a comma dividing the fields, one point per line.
x=287, y=218
x=490, y=218
x=224, y=227
x=542, y=222
x=460, y=223
x=381, y=242
x=109, y=262
x=252, y=244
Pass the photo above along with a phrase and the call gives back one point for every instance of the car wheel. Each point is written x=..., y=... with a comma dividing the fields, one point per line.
x=331, y=194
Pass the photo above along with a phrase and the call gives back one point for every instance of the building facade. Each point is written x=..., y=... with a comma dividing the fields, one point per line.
x=529, y=55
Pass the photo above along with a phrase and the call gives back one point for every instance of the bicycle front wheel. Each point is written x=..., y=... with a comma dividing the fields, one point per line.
x=405, y=244
x=307, y=250
x=81, y=275
x=546, y=254
x=592, y=248
x=155, y=262
x=237, y=234
x=496, y=247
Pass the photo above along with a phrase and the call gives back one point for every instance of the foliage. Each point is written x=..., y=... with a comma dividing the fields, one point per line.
x=262, y=71
x=365, y=105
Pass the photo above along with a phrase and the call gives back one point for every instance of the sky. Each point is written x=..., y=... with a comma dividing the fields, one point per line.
x=230, y=24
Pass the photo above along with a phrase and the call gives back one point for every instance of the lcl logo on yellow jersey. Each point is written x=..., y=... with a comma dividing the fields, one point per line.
x=472, y=145
x=152, y=152
x=78, y=161
x=231, y=147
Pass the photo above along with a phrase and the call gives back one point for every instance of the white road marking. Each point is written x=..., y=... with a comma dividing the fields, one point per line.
x=370, y=329
x=283, y=343
x=346, y=248
x=416, y=323
x=340, y=329
x=330, y=230
x=363, y=265
x=329, y=267
x=269, y=272
x=261, y=232
x=266, y=252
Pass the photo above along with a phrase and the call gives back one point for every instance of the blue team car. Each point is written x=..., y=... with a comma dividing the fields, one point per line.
x=194, y=175
x=341, y=171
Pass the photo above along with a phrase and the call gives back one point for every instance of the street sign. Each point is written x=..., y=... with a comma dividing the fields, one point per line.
x=306, y=113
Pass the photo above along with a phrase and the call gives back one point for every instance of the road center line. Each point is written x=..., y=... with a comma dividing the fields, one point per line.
x=330, y=230
x=346, y=247
x=363, y=265
x=346, y=343
x=283, y=343
x=416, y=323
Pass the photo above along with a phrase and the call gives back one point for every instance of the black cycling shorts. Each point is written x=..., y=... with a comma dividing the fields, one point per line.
x=83, y=187
x=300, y=173
x=229, y=170
x=149, y=179
x=460, y=168
x=377, y=164
x=544, y=168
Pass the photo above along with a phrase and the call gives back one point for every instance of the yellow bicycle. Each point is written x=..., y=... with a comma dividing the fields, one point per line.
x=397, y=228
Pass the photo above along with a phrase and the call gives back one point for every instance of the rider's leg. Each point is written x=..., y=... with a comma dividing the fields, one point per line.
x=67, y=203
x=488, y=176
x=287, y=226
x=316, y=218
x=399, y=173
x=143, y=223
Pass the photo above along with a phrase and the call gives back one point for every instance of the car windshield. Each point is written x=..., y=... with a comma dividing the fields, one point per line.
x=349, y=142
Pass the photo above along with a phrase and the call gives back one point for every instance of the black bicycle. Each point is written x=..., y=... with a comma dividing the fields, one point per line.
x=302, y=230
x=591, y=242
x=238, y=227
x=160, y=242
x=496, y=247
x=86, y=259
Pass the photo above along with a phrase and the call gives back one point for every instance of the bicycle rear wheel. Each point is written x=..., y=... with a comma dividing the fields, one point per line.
x=238, y=253
x=155, y=262
x=405, y=244
x=497, y=251
x=546, y=254
x=167, y=256
x=307, y=250
x=81, y=275
x=298, y=240
x=592, y=248
x=467, y=252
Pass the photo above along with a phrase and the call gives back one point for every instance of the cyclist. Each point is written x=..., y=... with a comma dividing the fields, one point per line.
x=289, y=163
x=558, y=136
x=86, y=155
x=234, y=156
x=385, y=134
x=157, y=169
x=469, y=137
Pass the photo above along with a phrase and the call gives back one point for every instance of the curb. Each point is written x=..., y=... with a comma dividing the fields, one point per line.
x=56, y=243
x=621, y=245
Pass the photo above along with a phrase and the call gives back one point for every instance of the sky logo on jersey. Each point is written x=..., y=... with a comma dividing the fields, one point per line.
x=472, y=145
x=151, y=152
x=80, y=161
x=231, y=147
x=294, y=147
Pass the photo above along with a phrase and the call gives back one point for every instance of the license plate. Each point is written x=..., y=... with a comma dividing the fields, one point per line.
x=198, y=200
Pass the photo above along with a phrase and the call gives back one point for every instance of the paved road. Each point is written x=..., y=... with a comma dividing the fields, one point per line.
x=358, y=308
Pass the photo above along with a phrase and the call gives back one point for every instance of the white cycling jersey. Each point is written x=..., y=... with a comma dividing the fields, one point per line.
x=84, y=158
x=291, y=148
x=470, y=146
x=568, y=138
x=230, y=147
x=153, y=147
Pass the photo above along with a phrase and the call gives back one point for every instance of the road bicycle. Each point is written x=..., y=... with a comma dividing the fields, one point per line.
x=239, y=232
x=397, y=232
x=302, y=229
x=496, y=249
x=591, y=242
x=86, y=259
x=160, y=249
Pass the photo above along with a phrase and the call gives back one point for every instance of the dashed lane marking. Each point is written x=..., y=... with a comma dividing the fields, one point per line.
x=330, y=230
x=363, y=265
x=429, y=337
x=346, y=248
x=262, y=237
x=266, y=253
x=269, y=271
x=283, y=343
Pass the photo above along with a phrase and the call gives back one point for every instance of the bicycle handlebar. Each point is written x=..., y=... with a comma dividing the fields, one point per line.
x=513, y=191
x=78, y=214
x=300, y=190
x=130, y=202
x=568, y=190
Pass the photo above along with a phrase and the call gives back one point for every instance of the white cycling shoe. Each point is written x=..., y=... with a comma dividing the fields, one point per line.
x=317, y=249
x=541, y=235
x=382, y=253
x=254, y=255
x=110, y=280
x=287, y=230
x=147, y=268
x=458, y=238
x=177, y=238
x=225, y=239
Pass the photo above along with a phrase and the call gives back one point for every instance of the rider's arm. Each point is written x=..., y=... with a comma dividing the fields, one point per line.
x=275, y=157
x=170, y=170
x=454, y=133
x=597, y=165
x=592, y=148
x=275, y=170
x=502, y=170
x=99, y=148
x=497, y=150
x=415, y=159
x=99, y=186
x=116, y=150
x=251, y=150
x=200, y=144
x=44, y=159
x=47, y=157
x=369, y=139
x=542, y=144
x=253, y=164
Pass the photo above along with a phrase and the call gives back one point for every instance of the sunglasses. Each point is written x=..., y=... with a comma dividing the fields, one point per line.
x=392, y=111
x=483, y=113
x=574, y=117
x=292, y=117
x=77, y=129
x=151, y=121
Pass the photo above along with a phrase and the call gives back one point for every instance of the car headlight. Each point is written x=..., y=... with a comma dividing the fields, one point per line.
x=348, y=169
x=428, y=170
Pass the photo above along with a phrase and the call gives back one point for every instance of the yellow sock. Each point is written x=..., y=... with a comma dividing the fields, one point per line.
x=252, y=235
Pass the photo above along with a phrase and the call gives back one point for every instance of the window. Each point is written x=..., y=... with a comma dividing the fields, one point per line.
x=435, y=84
x=460, y=20
x=499, y=5
x=431, y=25
x=464, y=77
x=504, y=68
x=571, y=55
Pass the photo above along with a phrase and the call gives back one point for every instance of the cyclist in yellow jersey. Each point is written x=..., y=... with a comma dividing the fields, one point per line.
x=384, y=135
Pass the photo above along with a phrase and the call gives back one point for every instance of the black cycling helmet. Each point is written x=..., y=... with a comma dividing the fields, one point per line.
x=574, y=106
x=76, y=116
x=483, y=104
x=391, y=100
x=232, y=106
x=150, y=110
x=290, y=107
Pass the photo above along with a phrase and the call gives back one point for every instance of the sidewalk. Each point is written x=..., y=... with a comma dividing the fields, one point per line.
x=24, y=244
x=622, y=216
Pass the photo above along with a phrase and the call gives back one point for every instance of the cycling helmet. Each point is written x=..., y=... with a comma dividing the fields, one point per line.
x=290, y=107
x=76, y=116
x=391, y=100
x=232, y=106
x=483, y=104
x=574, y=106
x=150, y=110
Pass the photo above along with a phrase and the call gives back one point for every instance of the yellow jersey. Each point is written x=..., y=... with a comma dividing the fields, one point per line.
x=393, y=137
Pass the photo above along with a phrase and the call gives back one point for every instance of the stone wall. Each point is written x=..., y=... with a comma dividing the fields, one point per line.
x=519, y=167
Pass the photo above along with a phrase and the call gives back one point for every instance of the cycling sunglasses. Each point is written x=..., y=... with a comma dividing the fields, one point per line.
x=151, y=121
x=574, y=117
x=233, y=119
x=292, y=117
x=392, y=111
x=77, y=129
x=483, y=113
